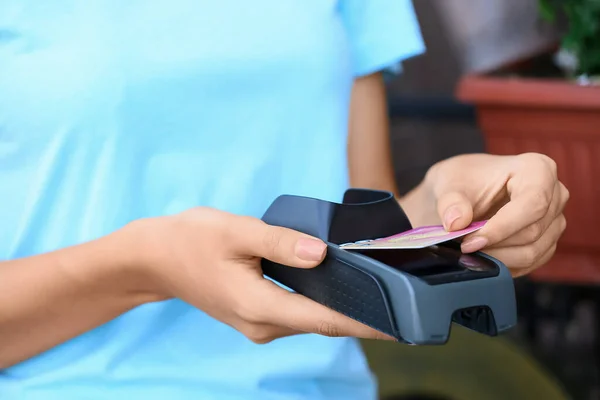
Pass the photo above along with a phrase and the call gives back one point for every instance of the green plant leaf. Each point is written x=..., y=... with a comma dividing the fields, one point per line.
x=583, y=32
x=547, y=10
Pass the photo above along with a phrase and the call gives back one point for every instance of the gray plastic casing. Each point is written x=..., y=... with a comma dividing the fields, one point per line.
x=379, y=295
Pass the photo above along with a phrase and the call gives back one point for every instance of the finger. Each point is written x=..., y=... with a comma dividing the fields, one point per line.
x=300, y=313
x=265, y=333
x=530, y=191
x=455, y=210
x=528, y=204
x=517, y=273
x=534, y=231
x=280, y=245
x=520, y=257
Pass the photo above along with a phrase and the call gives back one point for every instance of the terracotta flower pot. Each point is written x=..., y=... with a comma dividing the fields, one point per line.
x=560, y=119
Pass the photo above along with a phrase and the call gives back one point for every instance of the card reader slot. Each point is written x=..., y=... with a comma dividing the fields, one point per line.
x=435, y=264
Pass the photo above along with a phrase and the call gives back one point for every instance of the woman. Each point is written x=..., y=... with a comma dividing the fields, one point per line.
x=119, y=119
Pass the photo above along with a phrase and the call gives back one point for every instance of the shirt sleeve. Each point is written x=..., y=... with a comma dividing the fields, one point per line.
x=382, y=33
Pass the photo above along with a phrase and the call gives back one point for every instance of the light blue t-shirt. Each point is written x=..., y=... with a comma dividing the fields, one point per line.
x=113, y=110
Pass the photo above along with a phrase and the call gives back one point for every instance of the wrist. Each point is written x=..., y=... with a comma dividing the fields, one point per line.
x=138, y=260
x=419, y=206
x=114, y=266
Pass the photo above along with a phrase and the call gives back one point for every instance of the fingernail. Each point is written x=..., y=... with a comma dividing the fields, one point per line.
x=310, y=249
x=451, y=215
x=473, y=244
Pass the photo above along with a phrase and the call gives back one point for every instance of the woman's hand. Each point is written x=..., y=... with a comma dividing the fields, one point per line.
x=520, y=195
x=211, y=260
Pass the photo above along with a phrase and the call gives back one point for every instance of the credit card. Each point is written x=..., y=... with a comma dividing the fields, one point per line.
x=417, y=238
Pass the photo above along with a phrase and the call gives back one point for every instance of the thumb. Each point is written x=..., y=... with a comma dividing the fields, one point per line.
x=282, y=245
x=455, y=210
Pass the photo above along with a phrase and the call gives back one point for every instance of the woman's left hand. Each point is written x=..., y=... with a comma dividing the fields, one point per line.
x=520, y=195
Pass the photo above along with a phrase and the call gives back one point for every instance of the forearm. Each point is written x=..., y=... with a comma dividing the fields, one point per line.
x=370, y=155
x=50, y=298
x=369, y=149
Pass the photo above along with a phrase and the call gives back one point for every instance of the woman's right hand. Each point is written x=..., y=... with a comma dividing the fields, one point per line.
x=211, y=260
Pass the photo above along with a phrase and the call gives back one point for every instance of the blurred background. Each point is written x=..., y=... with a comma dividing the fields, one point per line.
x=507, y=77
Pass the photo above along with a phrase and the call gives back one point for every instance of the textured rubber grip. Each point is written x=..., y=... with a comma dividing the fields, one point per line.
x=341, y=287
